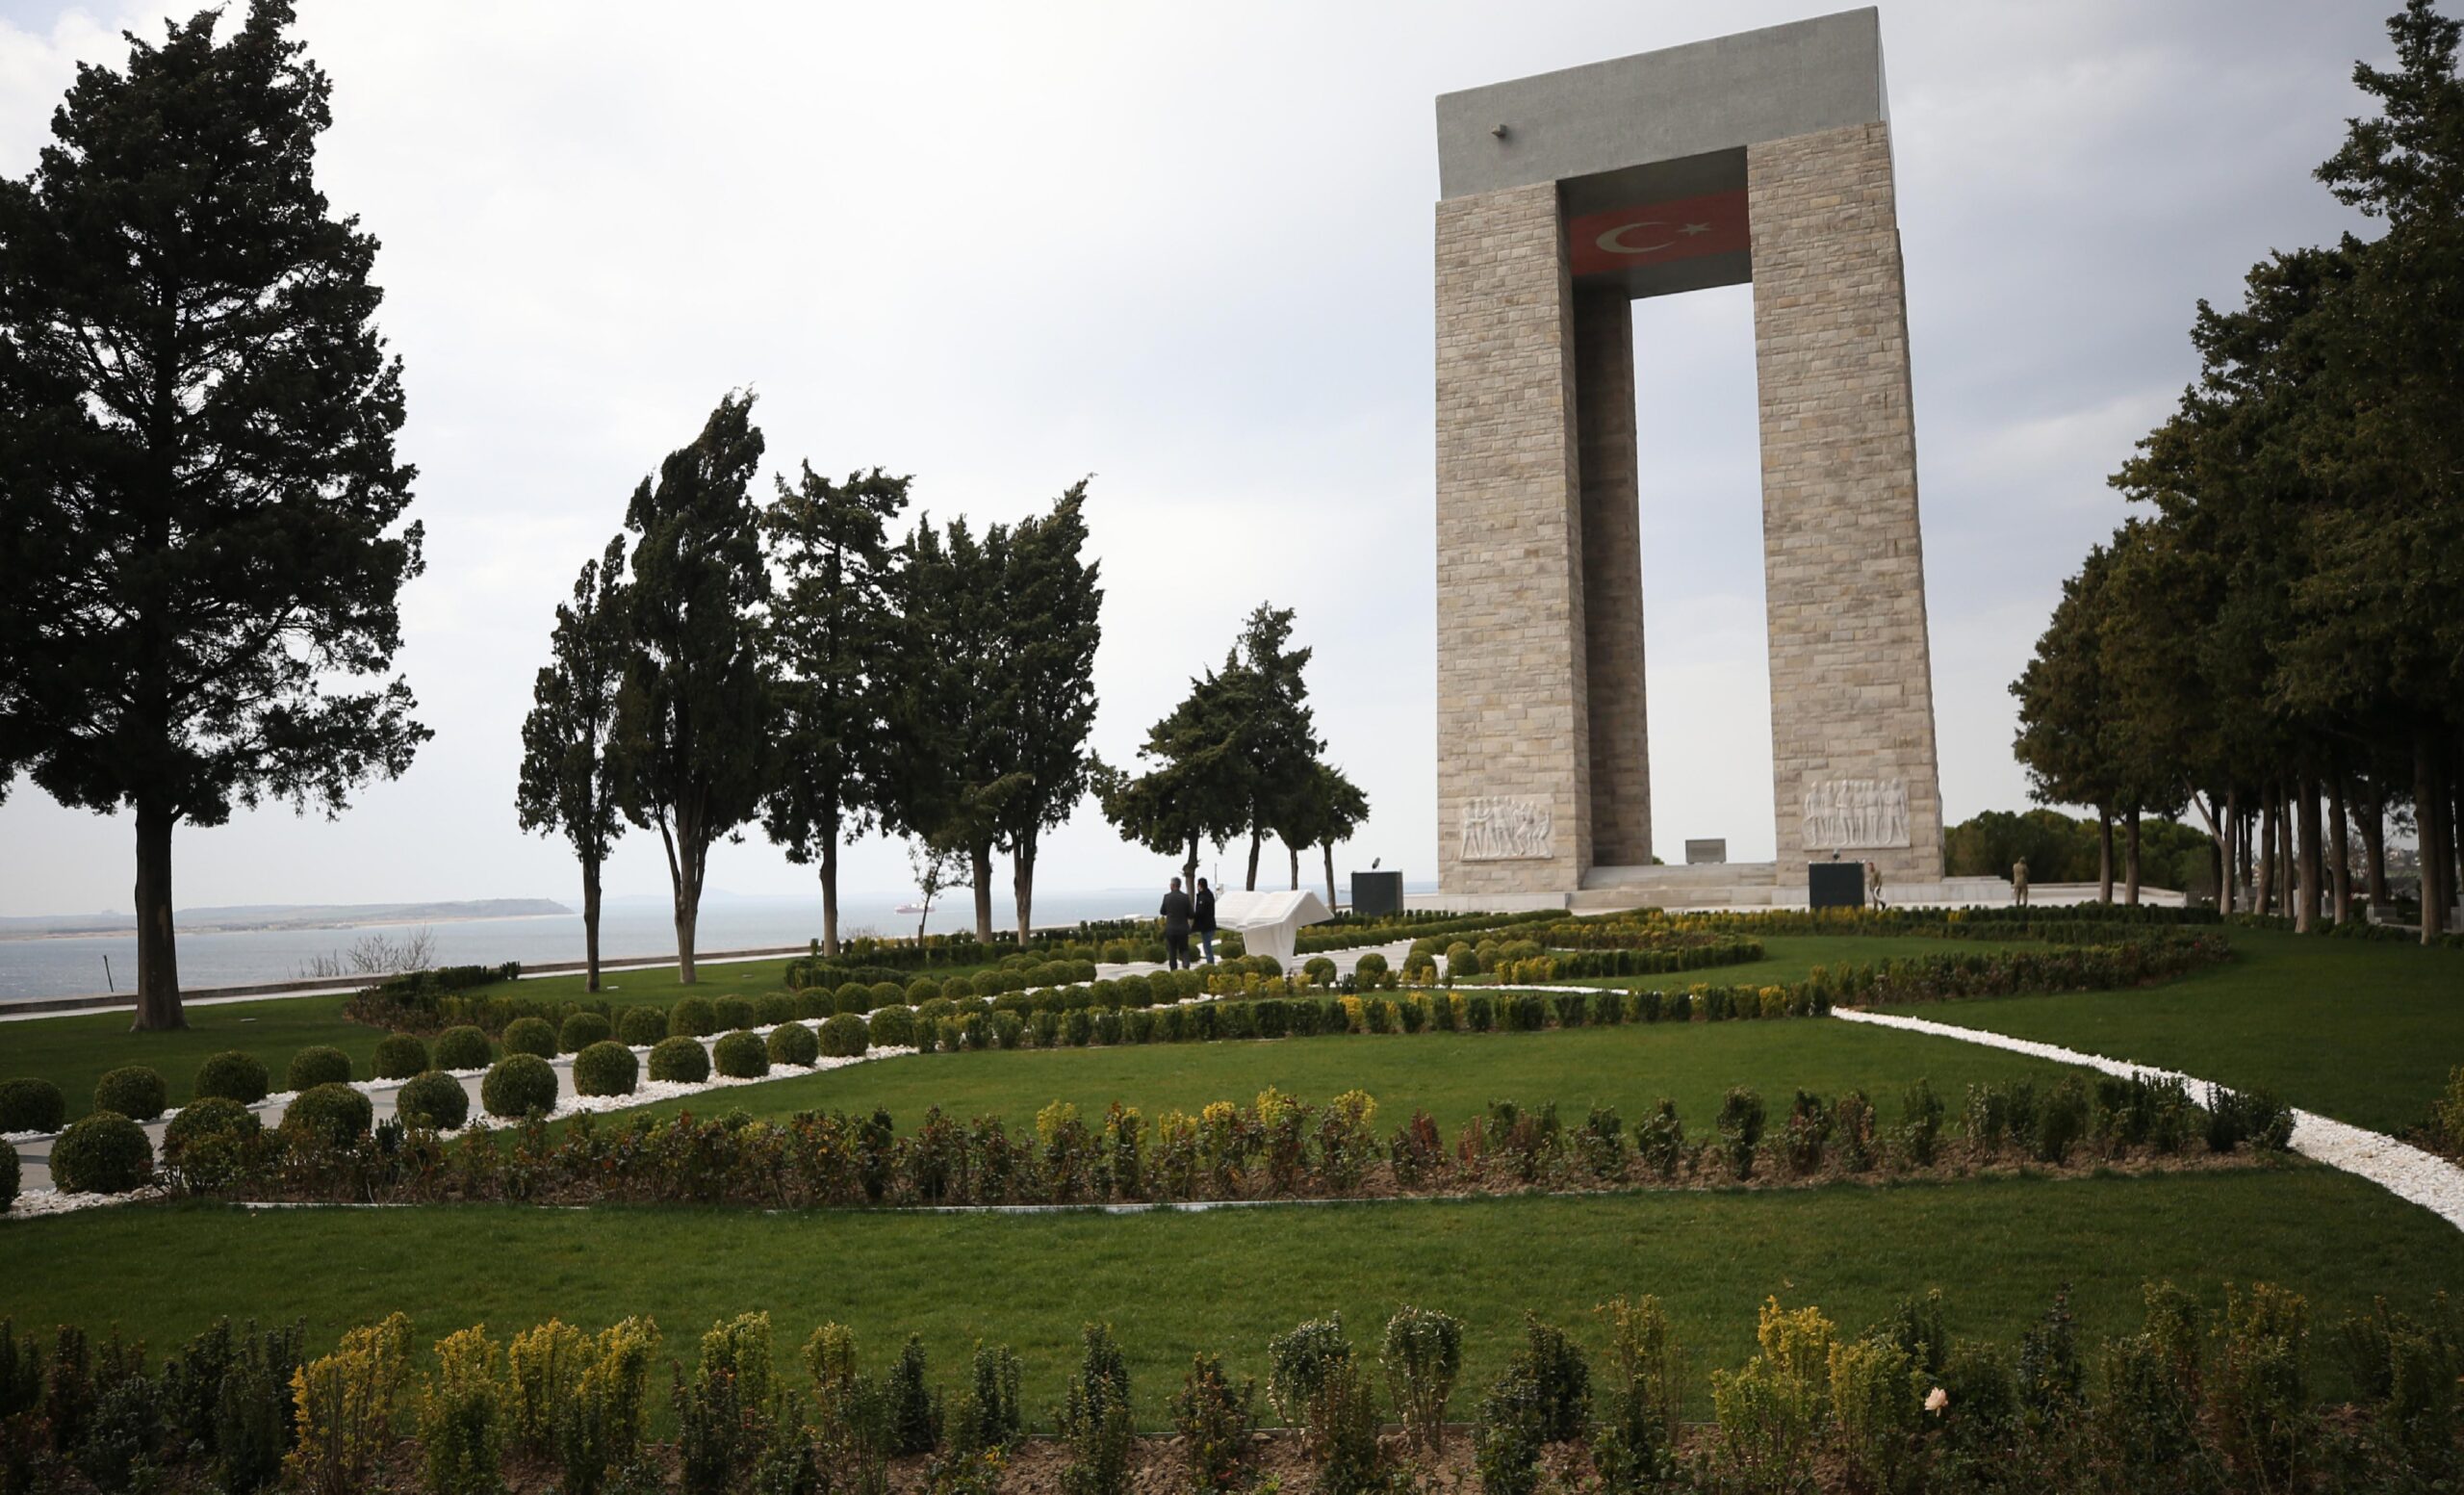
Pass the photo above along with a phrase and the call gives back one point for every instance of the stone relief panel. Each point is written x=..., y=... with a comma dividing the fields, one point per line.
x=1507, y=828
x=1844, y=815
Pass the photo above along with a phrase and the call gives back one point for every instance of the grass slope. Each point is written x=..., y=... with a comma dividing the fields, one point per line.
x=1174, y=1284
x=74, y=1050
x=2363, y=1032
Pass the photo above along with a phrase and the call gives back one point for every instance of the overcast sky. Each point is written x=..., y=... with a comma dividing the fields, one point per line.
x=1190, y=252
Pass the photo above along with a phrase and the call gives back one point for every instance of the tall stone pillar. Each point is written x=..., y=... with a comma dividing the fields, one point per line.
x=1513, y=735
x=1852, y=699
x=1612, y=600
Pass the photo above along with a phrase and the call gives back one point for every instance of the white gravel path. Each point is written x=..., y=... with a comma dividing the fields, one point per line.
x=2403, y=1169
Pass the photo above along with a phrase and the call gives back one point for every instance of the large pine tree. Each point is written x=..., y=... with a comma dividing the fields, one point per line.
x=568, y=773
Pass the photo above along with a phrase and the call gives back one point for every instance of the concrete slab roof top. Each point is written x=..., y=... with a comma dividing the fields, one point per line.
x=1688, y=109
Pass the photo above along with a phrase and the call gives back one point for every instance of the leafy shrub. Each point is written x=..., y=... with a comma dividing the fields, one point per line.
x=1008, y=1028
x=843, y=1037
x=2061, y=1121
x=1642, y=1395
x=724, y=1410
x=793, y=1042
x=581, y=1030
x=741, y=1056
x=30, y=1106
x=461, y=1415
x=1421, y=1356
x=1921, y=1123
x=335, y=1115
x=134, y=1090
x=773, y=1008
x=1297, y=1365
x=914, y=1415
x=2252, y=1115
x=434, y=1099
x=2260, y=1385
x=400, y=1056
x=10, y=1175
x=605, y=1067
x=1661, y=1139
x=318, y=1063
x=639, y=1027
x=345, y=1407
x=581, y=1403
x=1094, y=1418
x=1770, y=1409
x=679, y=1061
x=1214, y=1419
x=734, y=1013
x=232, y=1075
x=205, y=1143
x=1509, y=1433
x=922, y=990
x=693, y=1016
x=102, y=1153
x=531, y=1036
x=518, y=1084
x=891, y=1026
x=462, y=1047
x=1740, y=1126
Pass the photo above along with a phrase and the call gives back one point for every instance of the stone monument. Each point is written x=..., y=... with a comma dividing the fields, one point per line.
x=1761, y=157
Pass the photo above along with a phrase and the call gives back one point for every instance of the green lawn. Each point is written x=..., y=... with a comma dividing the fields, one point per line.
x=74, y=1051
x=1226, y=1282
x=1452, y=1077
x=2363, y=1032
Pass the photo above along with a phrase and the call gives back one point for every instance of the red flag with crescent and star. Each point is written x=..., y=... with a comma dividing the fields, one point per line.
x=1657, y=233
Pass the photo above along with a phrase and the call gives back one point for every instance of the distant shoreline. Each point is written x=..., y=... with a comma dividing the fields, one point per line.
x=283, y=926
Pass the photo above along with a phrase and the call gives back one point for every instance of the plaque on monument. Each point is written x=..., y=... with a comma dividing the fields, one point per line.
x=1713, y=852
x=1843, y=815
x=1376, y=893
x=1835, y=885
x=1507, y=828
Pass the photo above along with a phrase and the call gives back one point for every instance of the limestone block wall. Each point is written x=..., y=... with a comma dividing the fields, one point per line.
x=1851, y=671
x=1621, y=785
x=1513, y=735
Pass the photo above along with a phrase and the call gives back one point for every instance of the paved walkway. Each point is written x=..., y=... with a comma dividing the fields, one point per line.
x=2403, y=1169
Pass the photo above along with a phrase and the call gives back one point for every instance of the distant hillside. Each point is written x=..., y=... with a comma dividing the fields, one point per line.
x=284, y=915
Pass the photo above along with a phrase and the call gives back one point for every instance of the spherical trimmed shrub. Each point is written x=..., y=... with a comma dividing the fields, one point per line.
x=891, y=1027
x=30, y=1106
x=531, y=1036
x=692, y=1015
x=465, y=1048
x=1371, y=965
x=318, y=1063
x=232, y=1077
x=134, y=1090
x=434, y=1099
x=843, y=1037
x=742, y=1055
x=103, y=1154
x=855, y=996
x=816, y=1002
x=922, y=990
x=1320, y=970
x=200, y=1120
x=774, y=1007
x=518, y=1082
x=583, y=1029
x=641, y=1026
x=733, y=1012
x=607, y=1068
x=336, y=1115
x=1136, y=990
x=888, y=993
x=400, y=1056
x=793, y=1043
x=679, y=1061
x=8, y=1176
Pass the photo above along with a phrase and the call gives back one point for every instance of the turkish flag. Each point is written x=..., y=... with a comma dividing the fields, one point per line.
x=1657, y=232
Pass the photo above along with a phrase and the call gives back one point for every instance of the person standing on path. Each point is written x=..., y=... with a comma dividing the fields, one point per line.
x=1202, y=920
x=2019, y=882
x=1874, y=885
x=1176, y=912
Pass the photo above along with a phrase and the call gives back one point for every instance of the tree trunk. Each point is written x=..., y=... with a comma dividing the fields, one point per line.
x=2104, y=855
x=2130, y=852
x=830, y=888
x=688, y=913
x=2313, y=863
x=1295, y=866
x=1189, y=869
x=158, y=960
x=686, y=854
x=2373, y=843
x=2339, y=852
x=2429, y=796
x=1022, y=883
x=1257, y=838
x=979, y=861
x=2284, y=849
x=590, y=924
x=1328, y=847
x=2263, y=887
x=2228, y=830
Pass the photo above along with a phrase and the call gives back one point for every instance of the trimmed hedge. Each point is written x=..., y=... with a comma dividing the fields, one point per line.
x=465, y=1048
x=679, y=1061
x=104, y=1152
x=741, y=1056
x=642, y=1026
x=434, y=1099
x=8, y=1176
x=793, y=1043
x=772, y=1008
x=843, y=1037
x=693, y=1016
x=518, y=1083
x=891, y=1027
x=134, y=1090
x=318, y=1063
x=334, y=1114
x=531, y=1036
x=30, y=1106
x=606, y=1068
x=583, y=1029
x=734, y=1013
x=232, y=1075
x=399, y=1057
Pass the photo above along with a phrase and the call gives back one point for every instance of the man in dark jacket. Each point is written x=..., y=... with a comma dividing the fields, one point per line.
x=1202, y=920
x=1176, y=927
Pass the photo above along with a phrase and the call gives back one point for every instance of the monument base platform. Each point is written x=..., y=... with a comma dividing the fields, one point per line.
x=1732, y=884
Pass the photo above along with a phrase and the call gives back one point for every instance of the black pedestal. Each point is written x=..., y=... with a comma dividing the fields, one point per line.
x=1376, y=893
x=1835, y=885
